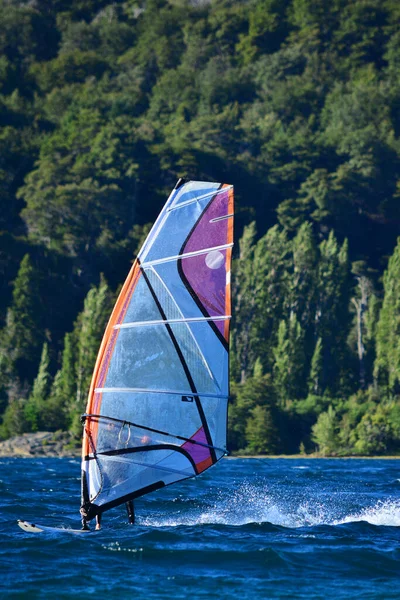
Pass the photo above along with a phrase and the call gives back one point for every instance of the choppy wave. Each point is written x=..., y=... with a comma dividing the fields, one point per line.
x=384, y=513
x=256, y=504
x=248, y=528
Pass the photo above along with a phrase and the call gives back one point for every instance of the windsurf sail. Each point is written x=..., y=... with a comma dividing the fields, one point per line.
x=157, y=405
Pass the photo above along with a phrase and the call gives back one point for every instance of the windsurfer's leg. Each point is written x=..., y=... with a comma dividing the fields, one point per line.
x=98, y=521
x=131, y=512
x=85, y=526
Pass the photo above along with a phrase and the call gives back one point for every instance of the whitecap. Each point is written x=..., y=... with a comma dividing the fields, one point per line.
x=384, y=513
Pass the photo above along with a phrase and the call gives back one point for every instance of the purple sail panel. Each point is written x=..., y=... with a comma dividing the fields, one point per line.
x=200, y=454
x=209, y=232
x=206, y=273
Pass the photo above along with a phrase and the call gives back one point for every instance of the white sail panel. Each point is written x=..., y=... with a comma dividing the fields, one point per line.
x=145, y=357
x=142, y=306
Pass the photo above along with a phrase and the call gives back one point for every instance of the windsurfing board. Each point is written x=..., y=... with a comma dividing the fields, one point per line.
x=33, y=528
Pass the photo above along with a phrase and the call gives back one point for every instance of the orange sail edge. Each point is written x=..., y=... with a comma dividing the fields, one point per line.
x=204, y=464
x=105, y=351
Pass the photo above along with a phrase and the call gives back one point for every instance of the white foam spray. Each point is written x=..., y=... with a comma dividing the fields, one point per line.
x=260, y=503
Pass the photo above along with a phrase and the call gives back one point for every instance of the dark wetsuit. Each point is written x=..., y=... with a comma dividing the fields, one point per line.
x=131, y=511
x=129, y=508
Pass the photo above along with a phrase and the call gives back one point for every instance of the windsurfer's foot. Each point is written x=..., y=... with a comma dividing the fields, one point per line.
x=98, y=526
x=85, y=527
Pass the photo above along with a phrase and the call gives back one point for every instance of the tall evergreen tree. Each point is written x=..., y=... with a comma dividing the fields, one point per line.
x=261, y=432
x=316, y=369
x=261, y=292
x=63, y=391
x=332, y=308
x=325, y=432
x=22, y=337
x=256, y=391
x=387, y=364
x=89, y=329
x=303, y=285
x=245, y=305
x=289, y=361
x=35, y=408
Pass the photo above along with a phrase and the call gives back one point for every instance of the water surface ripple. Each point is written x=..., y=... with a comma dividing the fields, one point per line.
x=251, y=528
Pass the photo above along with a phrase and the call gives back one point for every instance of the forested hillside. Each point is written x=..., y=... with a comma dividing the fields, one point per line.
x=103, y=106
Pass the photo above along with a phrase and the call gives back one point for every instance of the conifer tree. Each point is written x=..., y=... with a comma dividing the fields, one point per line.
x=63, y=391
x=303, y=285
x=89, y=329
x=261, y=432
x=23, y=336
x=35, y=408
x=325, y=432
x=262, y=276
x=289, y=365
x=332, y=318
x=316, y=369
x=387, y=364
x=244, y=305
x=256, y=391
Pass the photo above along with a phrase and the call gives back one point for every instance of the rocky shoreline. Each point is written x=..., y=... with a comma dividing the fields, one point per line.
x=62, y=444
x=42, y=443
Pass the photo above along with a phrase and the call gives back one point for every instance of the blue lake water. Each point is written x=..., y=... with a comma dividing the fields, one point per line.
x=247, y=528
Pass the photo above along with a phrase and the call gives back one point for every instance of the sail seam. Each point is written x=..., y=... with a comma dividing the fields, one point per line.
x=168, y=469
x=149, y=391
x=159, y=261
x=160, y=322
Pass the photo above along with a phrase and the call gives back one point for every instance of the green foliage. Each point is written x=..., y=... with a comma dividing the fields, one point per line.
x=387, y=364
x=325, y=432
x=289, y=360
x=64, y=387
x=35, y=408
x=22, y=336
x=267, y=30
x=374, y=433
x=88, y=332
x=26, y=34
x=316, y=369
x=104, y=105
x=13, y=422
x=261, y=431
x=254, y=399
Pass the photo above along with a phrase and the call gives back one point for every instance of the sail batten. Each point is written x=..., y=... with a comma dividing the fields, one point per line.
x=158, y=467
x=157, y=391
x=146, y=428
x=162, y=322
x=196, y=199
x=159, y=261
x=160, y=386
